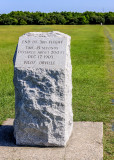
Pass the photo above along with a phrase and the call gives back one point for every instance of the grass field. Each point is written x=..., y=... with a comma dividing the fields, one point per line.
x=92, y=78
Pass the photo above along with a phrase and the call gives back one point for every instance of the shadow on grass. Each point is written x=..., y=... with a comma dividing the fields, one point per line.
x=6, y=136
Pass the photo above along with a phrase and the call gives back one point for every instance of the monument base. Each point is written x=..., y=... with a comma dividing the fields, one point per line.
x=85, y=143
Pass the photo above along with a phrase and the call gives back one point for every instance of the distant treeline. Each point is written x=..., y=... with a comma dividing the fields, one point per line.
x=65, y=18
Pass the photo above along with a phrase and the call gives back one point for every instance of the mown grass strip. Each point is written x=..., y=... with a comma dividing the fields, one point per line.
x=108, y=126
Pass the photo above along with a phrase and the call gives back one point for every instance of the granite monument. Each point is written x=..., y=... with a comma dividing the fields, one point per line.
x=43, y=89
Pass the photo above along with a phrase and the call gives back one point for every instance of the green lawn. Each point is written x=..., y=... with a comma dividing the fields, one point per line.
x=92, y=69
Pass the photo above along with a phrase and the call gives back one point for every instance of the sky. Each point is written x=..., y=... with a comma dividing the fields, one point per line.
x=6, y=6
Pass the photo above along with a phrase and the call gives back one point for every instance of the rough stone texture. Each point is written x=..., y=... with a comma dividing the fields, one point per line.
x=43, y=89
x=85, y=143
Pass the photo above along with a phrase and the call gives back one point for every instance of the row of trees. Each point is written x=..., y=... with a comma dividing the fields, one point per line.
x=66, y=18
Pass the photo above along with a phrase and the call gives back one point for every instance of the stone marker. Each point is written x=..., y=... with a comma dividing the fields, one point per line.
x=43, y=89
